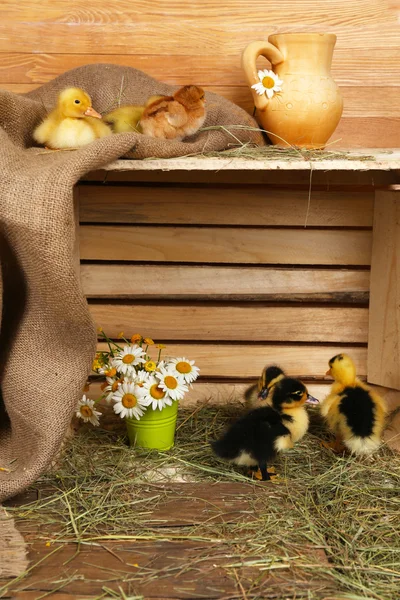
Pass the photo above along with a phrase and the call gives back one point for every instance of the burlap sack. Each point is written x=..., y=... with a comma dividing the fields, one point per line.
x=47, y=338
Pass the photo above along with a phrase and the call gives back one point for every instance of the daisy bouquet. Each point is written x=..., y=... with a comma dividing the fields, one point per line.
x=136, y=379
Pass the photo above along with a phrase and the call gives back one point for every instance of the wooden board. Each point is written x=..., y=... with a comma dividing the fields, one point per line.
x=225, y=245
x=239, y=322
x=196, y=36
x=223, y=283
x=359, y=13
x=243, y=361
x=217, y=393
x=384, y=323
x=335, y=176
x=223, y=205
x=171, y=565
x=354, y=71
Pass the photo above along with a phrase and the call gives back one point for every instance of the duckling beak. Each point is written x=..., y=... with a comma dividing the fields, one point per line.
x=311, y=399
x=90, y=112
x=329, y=373
x=263, y=393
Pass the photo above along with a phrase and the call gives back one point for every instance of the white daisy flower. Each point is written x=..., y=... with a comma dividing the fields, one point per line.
x=87, y=412
x=126, y=361
x=141, y=377
x=111, y=387
x=107, y=370
x=174, y=385
x=129, y=401
x=184, y=368
x=155, y=395
x=269, y=83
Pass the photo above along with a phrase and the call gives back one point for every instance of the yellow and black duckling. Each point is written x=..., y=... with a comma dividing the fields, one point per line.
x=353, y=412
x=73, y=122
x=256, y=438
x=260, y=393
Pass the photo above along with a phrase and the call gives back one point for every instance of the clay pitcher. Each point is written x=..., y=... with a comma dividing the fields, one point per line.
x=308, y=108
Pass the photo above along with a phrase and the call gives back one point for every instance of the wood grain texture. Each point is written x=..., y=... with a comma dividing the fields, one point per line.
x=237, y=361
x=359, y=13
x=182, y=36
x=225, y=245
x=384, y=321
x=357, y=68
x=224, y=205
x=334, y=179
x=204, y=391
x=223, y=283
x=192, y=565
x=231, y=392
x=239, y=322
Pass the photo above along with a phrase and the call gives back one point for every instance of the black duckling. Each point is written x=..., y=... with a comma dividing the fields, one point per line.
x=256, y=438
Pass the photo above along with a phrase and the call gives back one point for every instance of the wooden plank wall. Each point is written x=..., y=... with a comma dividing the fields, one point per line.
x=229, y=275
x=201, y=41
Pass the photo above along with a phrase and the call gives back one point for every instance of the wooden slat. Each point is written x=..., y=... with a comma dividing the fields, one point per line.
x=247, y=360
x=231, y=392
x=362, y=132
x=175, y=562
x=219, y=393
x=251, y=283
x=224, y=205
x=239, y=322
x=384, y=334
x=329, y=179
x=184, y=36
x=360, y=12
x=350, y=69
x=363, y=92
x=225, y=245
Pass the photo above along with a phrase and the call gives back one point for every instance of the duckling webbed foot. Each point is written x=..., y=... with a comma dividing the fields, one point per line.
x=263, y=473
x=336, y=445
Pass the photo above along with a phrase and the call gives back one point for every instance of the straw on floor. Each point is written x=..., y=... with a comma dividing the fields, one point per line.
x=347, y=506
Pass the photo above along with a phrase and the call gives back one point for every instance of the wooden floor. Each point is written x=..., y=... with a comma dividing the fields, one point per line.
x=169, y=567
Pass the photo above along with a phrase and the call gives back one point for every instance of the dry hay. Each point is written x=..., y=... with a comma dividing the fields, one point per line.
x=287, y=152
x=347, y=506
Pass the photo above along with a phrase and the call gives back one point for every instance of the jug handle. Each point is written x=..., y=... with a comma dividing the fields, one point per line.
x=249, y=57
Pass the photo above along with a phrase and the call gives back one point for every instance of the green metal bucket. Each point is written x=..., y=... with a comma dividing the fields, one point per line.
x=156, y=429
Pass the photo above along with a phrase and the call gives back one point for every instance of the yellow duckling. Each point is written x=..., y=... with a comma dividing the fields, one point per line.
x=127, y=118
x=72, y=124
x=353, y=412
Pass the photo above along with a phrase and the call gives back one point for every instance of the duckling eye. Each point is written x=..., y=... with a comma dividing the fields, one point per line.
x=297, y=393
x=77, y=101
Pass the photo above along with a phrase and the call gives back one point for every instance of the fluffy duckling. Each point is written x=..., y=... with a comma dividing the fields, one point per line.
x=72, y=124
x=353, y=412
x=260, y=393
x=256, y=438
x=127, y=118
x=177, y=116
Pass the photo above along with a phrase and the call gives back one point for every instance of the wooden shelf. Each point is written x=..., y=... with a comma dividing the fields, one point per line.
x=383, y=160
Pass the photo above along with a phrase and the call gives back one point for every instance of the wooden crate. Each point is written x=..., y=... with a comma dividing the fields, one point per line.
x=234, y=276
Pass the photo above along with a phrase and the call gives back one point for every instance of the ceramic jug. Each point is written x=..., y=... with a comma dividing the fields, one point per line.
x=308, y=108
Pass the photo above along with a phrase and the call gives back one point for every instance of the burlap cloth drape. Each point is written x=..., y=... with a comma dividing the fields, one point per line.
x=47, y=338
